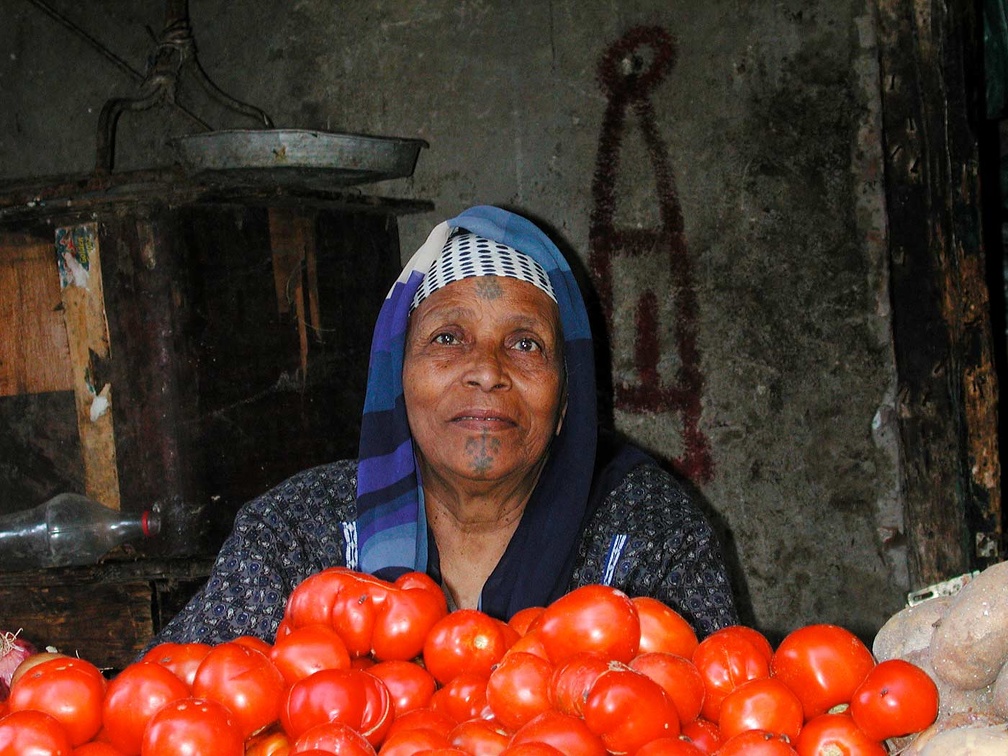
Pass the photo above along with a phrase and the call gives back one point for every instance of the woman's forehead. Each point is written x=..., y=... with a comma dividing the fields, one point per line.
x=468, y=255
x=503, y=295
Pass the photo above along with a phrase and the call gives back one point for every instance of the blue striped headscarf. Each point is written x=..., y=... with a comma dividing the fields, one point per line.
x=391, y=531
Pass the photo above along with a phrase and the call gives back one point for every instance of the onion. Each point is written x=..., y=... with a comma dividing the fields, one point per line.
x=13, y=651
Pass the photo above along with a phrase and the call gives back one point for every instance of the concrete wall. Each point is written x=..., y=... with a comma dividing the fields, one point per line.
x=758, y=128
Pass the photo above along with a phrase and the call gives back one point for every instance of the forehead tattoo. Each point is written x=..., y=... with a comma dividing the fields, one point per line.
x=488, y=287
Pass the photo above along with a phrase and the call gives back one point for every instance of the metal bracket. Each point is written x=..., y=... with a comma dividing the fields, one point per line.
x=175, y=50
x=948, y=587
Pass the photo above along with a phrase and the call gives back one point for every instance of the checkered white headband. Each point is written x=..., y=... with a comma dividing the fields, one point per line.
x=465, y=255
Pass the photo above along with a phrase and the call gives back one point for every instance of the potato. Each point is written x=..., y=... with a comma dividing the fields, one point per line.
x=999, y=693
x=909, y=630
x=916, y=745
x=970, y=644
x=969, y=741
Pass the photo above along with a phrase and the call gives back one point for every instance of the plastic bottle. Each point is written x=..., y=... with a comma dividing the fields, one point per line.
x=69, y=530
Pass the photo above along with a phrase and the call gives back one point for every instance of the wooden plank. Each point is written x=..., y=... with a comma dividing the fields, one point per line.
x=106, y=624
x=942, y=334
x=314, y=311
x=57, y=197
x=34, y=354
x=288, y=248
x=104, y=613
x=292, y=241
x=79, y=261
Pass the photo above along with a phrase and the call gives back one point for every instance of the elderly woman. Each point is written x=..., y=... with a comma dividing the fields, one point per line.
x=479, y=463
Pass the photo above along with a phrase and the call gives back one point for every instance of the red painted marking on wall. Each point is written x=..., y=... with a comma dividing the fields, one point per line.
x=628, y=72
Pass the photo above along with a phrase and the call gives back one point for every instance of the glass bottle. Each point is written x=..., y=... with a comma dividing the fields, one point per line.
x=69, y=530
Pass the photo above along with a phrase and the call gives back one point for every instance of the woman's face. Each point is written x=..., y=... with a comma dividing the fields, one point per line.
x=483, y=379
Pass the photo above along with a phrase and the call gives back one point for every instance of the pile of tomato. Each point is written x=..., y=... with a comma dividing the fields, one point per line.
x=362, y=666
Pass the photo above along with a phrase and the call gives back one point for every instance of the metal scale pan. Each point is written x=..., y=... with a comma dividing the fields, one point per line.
x=297, y=154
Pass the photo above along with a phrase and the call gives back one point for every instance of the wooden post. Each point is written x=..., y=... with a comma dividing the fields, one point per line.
x=79, y=262
x=941, y=319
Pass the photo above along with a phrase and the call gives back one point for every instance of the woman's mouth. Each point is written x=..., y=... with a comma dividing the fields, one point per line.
x=482, y=420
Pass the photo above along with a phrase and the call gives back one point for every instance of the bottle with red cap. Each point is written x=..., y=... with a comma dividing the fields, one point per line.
x=69, y=530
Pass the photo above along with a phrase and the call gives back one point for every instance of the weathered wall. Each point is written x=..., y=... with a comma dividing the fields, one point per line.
x=750, y=344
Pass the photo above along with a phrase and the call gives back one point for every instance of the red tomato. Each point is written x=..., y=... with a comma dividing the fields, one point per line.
x=329, y=695
x=373, y=616
x=764, y=704
x=97, y=748
x=627, y=709
x=519, y=689
x=311, y=602
x=349, y=696
x=283, y=628
x=193, y=725
x=896, y=698
x=702, y=733
x=254, y=643
x=590, y=619
x=756, y=743
x=479, y=736
x=422, y=719
x=566, y=733
x=511, y=636
x=181, y=658
x=530, y=643
x=752, y=635
x=33, y=732
x=413, y=741
x=333, y=737
x=245, y=681
x=379, y=711
x=308, y=649
x=362, y=662
x=531, y=749
x=409, y=581
x=725, y=660
x=68, y=689
x=339, y=598
x=133, y=697
x=669, y=747
x=662, y=628
x=272, y=741
x=823, y=665
x=836, y=733
x=463, y=697
x=467, y=640
x=678, y=676
x=410, y=685
x=572, y=680
x=524, y=618
x=406, y=617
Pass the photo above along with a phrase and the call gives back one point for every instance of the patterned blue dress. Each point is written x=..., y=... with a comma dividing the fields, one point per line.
x=646, y=537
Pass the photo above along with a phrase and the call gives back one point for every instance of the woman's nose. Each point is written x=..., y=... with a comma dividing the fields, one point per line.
x=487, y=369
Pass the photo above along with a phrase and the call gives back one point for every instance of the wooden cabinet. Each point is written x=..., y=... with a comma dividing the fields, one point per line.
x=181, y=342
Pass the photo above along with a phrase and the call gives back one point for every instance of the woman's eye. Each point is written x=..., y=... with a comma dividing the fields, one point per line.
x=445, y=339
x=527, y=344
